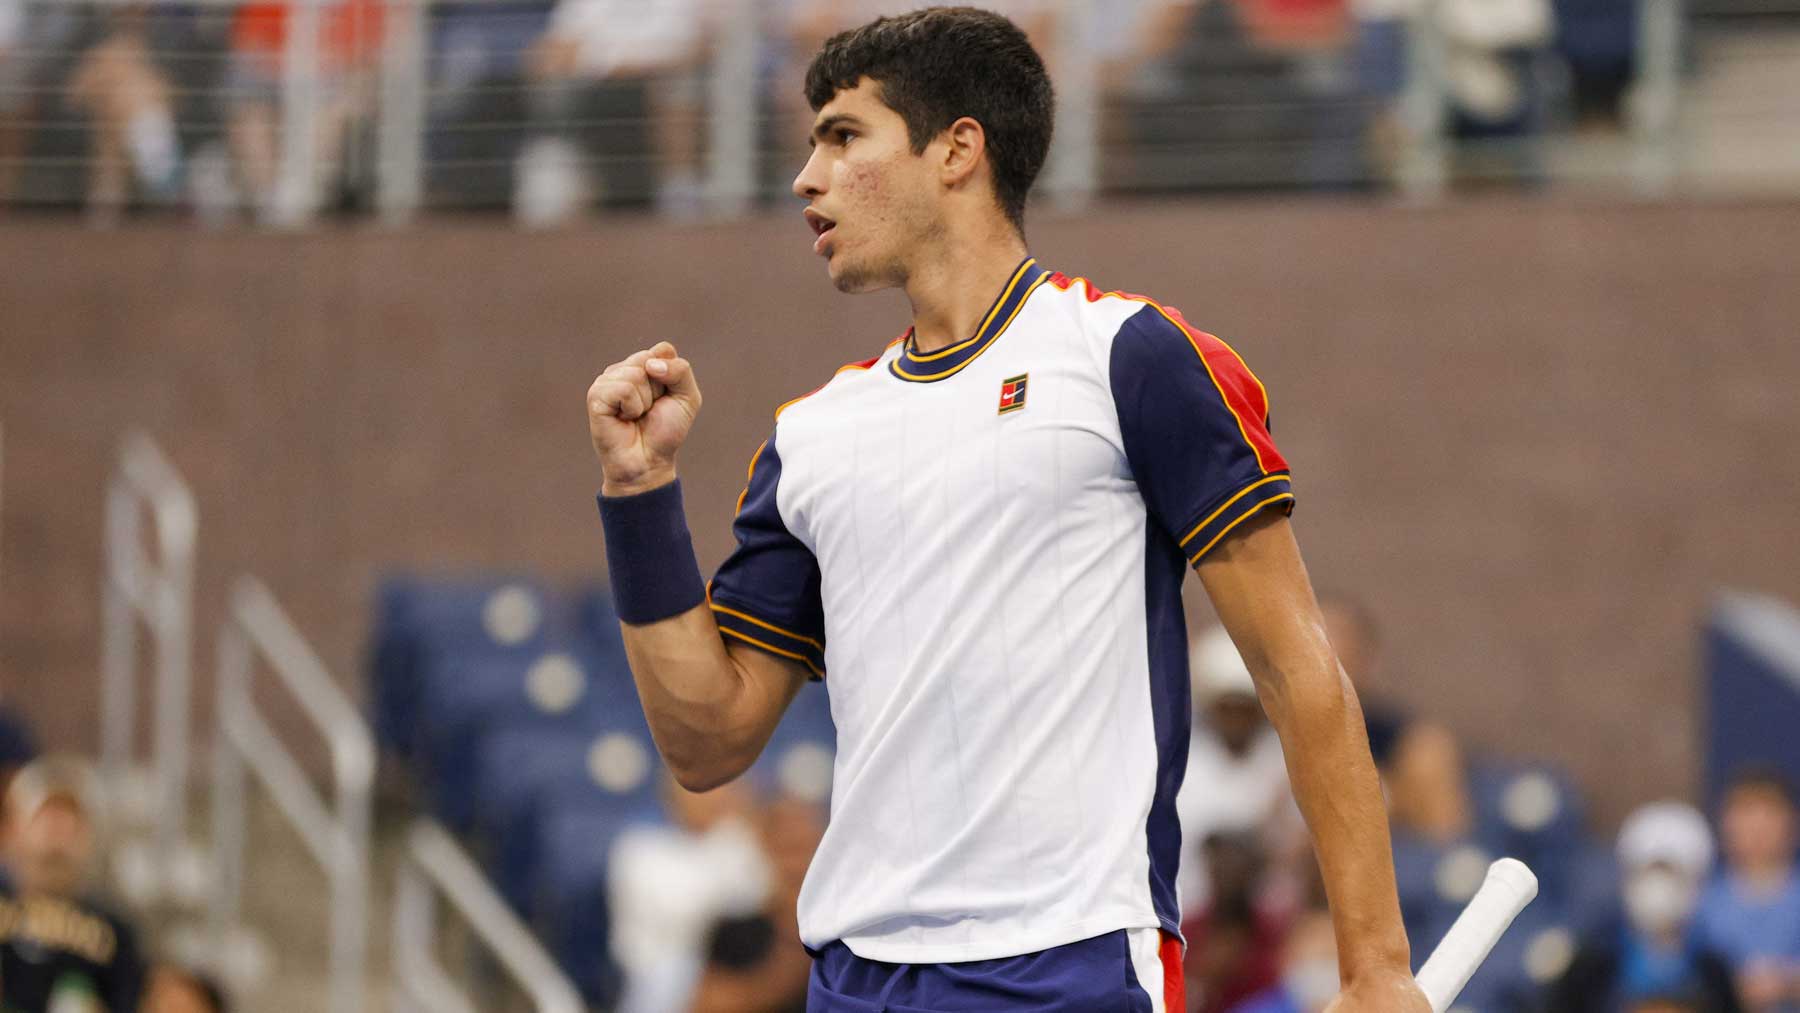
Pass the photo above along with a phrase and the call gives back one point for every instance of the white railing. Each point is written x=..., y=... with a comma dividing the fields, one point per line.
x=157, y=591
x=1655, y=97
x=434, y=865
x=334, y=829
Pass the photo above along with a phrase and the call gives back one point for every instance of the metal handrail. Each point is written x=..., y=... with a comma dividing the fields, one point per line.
x=433, y=865
x=1655, y=105
x=335, y=830
x=160, y=594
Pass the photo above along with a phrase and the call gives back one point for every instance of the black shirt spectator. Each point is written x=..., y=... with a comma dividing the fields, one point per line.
x=1594, y=983
x=53, y=949
x=58, y=949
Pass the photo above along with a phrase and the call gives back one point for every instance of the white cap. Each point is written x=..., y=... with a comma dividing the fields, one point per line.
x=1216, y=668
x=1668, y=832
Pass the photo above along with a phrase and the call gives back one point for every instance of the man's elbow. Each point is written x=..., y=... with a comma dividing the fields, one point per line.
x=1307, y=687
x=699, y=771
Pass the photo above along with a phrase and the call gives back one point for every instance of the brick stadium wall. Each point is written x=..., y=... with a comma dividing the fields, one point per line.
x=1535, y=435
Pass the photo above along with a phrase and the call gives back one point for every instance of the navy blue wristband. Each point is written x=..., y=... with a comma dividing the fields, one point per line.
x=650, y=555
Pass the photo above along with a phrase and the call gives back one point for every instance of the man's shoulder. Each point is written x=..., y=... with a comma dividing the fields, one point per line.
x=825, y=394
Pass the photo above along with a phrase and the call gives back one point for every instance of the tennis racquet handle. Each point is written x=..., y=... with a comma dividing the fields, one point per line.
x=1508, y=888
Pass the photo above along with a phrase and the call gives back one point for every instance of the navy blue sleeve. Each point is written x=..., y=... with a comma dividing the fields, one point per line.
x=766, y=594
x=1195, y=422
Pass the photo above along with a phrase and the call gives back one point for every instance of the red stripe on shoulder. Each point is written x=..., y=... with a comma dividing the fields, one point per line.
x=1244, y=394
x=859, y=365
x=1094, y=292
x=1226, y=362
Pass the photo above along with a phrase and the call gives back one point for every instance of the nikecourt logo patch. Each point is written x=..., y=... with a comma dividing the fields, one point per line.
x=1012, y=393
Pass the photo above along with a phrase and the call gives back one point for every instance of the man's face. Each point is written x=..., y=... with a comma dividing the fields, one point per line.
x=49, y=849
x=1757, y=827
x=871, y=200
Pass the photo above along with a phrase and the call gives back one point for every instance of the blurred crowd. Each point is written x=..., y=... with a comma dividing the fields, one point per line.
x=554, y=107
x=66, y=947
x=1678, y=914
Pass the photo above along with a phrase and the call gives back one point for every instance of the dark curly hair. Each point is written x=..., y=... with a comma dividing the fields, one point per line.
x=939, y=64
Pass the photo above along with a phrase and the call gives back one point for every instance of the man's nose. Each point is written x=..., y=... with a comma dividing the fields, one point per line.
x=808, y=184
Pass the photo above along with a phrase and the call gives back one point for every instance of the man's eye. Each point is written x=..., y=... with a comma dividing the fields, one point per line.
x=844, y=136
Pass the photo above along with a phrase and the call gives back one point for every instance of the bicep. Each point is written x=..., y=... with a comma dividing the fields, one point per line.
x=1259, y=586
x=772, y=683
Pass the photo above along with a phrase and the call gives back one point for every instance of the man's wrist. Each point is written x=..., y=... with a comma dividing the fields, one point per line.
x=650, y=555
x=636, y=485
x=1376, y=960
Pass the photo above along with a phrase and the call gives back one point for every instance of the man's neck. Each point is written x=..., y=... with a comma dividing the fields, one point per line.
x=956, y=286
x=1764, y=878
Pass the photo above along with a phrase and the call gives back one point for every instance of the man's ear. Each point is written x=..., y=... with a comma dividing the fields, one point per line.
x=965, y=146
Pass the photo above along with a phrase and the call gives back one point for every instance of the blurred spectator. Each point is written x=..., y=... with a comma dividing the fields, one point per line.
x=1309, y=970
x=478, y=102
x=14, y=98
x=668, y=886
x=1236, y=778
x=59, y=950
x=818, y=20
x=755, y=963
x=349, y=48
x=1598, y=39
x=1380, y=51
x=127, y=99
x=1428, y=786
x=617, y=85
x=181, y=990
x=1751, y=914
x=1234, y=939
x=1490, y=74
x=1356, y=637
x=1657, y=960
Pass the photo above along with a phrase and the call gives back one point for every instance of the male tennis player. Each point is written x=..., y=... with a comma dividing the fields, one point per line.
x=978, y=539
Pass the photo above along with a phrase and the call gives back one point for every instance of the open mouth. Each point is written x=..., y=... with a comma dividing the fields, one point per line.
x=821, y=227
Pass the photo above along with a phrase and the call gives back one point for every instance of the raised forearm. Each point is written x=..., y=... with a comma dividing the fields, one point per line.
x=709, y=714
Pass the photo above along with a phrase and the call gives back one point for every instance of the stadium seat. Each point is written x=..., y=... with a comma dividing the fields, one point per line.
x=571, y=897
x=1534, y=813
x=467, y=695
x=592, y=616
x=415, y=615
x=522, y=772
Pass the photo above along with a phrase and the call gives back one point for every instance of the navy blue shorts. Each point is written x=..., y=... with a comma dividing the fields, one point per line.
x=1128, y=971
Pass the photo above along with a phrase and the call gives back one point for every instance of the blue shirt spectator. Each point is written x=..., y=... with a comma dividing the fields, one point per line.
x=1751, y=913
x=1656, y=959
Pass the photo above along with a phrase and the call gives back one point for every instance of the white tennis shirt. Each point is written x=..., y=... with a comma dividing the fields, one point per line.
x=980, y=550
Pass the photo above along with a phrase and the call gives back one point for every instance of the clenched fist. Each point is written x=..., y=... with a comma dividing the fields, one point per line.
x=639, y=414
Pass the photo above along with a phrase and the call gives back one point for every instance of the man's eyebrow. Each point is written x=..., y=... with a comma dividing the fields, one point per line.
x=825, y=126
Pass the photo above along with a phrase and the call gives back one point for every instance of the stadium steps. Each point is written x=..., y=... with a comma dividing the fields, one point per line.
x=280, y=962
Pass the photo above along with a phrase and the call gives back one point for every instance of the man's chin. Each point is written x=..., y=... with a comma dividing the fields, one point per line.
x=852, y=279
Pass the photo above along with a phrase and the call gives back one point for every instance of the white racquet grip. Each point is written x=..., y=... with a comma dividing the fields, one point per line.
x=1508, y=888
